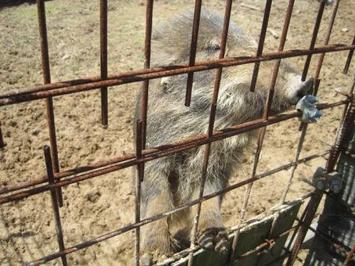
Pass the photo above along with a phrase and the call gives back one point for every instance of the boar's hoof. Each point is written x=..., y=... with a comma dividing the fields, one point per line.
x=214, y=239
x=146, y=260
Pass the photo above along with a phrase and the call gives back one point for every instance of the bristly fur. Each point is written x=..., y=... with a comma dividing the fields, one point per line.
x=174, y=180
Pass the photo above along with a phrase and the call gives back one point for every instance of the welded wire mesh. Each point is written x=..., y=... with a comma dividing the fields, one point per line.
x=56, y=178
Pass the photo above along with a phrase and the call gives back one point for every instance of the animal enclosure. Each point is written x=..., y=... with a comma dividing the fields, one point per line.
x=58, y=178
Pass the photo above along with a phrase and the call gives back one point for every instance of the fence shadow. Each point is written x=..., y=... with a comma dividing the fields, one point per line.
x=9, y=3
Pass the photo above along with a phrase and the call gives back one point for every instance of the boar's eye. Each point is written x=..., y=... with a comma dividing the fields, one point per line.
x=213, y=46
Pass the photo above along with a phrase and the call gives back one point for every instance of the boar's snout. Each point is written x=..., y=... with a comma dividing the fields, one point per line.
x=306, y=88
x=297, y=88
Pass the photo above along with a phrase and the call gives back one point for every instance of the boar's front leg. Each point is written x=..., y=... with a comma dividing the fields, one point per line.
x=156, y=199
x=211, y=234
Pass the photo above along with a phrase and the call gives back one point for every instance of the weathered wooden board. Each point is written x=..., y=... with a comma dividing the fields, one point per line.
x=251, y=237
x=283, y=222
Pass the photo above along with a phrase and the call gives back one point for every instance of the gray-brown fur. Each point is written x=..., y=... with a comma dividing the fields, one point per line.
x=174, y=180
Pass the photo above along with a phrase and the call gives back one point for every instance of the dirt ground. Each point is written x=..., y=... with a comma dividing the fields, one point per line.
x=105, y=203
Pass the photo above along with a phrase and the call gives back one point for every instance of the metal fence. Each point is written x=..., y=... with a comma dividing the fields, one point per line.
x=56, y=178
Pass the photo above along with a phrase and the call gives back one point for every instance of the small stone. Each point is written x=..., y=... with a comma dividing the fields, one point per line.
x=35, y=132
x=344, y=29
x=93, y=196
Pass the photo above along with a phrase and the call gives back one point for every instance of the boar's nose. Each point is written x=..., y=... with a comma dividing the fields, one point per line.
x=306, y=88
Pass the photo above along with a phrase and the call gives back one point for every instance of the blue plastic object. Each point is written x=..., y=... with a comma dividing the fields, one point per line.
x=307, y=105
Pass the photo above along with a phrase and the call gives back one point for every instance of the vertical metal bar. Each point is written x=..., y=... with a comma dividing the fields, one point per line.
x=49, y=100
x=303, y=126
x=329, y=32
x=2, y=143
x=247, y=194
x=142, y=123
x=348, y=60
x=298, y=153
x=314, y=38
x=349, y=257
x=103, y=61
x=51, y=181
x=294, y=233
x=139, y=179
x=311, y=210
x=342, y=135
x=265, y=116
x=147, y=53
x=278, y=62
x=193, y=47
x=261, y=43
x=211, y=126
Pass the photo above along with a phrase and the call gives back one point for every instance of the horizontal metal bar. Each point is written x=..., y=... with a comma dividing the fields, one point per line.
x=165, y=150
x=158, y=152
x=132, y=226
x=73, y=86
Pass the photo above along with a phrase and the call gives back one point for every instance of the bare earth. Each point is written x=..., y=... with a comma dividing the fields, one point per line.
x=105, y=203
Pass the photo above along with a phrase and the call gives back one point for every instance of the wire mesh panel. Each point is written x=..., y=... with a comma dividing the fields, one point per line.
x=214, y=129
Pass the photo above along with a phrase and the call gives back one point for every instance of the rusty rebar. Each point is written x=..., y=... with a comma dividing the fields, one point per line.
x=103, y=61
x=342, y=136
x=147, y=55
x=265, y=116
x=147, y=220
x=327, y=38
x=193, y=48
x=138, y=179
x=261, y=43
x=314, y=38
x=261, y=138
x=47, y=79
x=304, y=126
x=123, y=162
x=349, y=58
x=2, y=143
x=55, y=205
x=212, y=116
x=308, y=217
x=278, y=62
x=164, y=150
x=74, y=86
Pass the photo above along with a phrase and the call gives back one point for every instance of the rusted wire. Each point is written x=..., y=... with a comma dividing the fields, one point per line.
x=49, y=101
x=55, y=205
x=314, y=38
x=103, y=61
x=138, y=180
x=247, y=193
x=316, y=78
x=213, y=110
x=349, y=58
x=265, y=116
x=342, y=134
x=162, y=151
x=193, y=47
x=2, y=143
x=267, y=244
x=310, y=211
x=147, y=55
x=278, y=62
x=141, y=133
x=129, y=227
x=57, y=179
x=74, y=86
x=327, y=38
x=261, y=43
